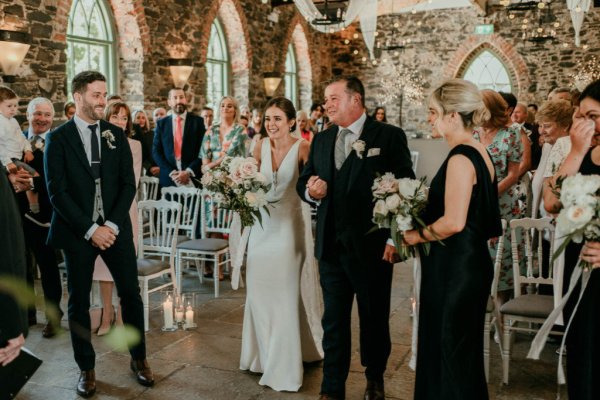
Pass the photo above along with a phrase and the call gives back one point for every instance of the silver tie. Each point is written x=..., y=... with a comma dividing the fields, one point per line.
x=340, y=147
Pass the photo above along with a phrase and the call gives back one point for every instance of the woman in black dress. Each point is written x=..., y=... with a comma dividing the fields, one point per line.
x=583, y=350
x=463, y=212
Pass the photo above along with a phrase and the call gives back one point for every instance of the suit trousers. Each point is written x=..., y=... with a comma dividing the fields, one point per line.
x=45, y=257
x=342, y=277
x=121, y=261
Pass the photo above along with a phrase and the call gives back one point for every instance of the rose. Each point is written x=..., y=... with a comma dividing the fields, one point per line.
x=380, y=208
x=386, y=184
x=404, y=223
x=256, y=199
x=393, y=202
x=236, y=177
x=580, y=215
x=248, y=168
x=408, y=187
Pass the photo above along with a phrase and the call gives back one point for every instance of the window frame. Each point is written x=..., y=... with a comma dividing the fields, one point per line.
x=109, y=45
x=499, y=59
x=291, y=76
x=222, y=64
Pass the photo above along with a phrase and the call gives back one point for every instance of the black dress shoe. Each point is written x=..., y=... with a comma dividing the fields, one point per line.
x=374, y=390
x=142, y=372
x=50, y=330
x=86, y=387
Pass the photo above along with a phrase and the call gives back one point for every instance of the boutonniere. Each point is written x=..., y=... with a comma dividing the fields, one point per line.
x=39, y=145
x=359, y=147
x=110, y=138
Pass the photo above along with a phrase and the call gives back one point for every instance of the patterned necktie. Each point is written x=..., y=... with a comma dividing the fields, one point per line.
x=178, y=139
x=340, y=147
x=95, y=152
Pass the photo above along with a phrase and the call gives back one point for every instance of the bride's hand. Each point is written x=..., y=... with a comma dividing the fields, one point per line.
x=411, y=237
x=591, y=253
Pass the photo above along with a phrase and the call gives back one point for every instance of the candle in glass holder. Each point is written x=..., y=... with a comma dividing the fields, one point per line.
x=179, y=315
x=168, y=312
x=189, y=316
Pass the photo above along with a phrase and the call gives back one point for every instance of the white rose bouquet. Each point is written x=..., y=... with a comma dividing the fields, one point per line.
x=398, y=206
x=579, y=218
x=242, y=187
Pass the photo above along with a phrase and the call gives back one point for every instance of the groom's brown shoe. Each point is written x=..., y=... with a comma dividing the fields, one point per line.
x=374, y=390
x=86, y=387
x=142, y=372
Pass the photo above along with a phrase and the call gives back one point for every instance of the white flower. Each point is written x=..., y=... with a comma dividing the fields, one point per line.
x=39, y=144
x=575, y=188
x=110, y=138
x=256, y=199
x=404, y=223
x=385, y=184
x=580, y=215
x=380, y=208
x=206, y=179
x=359, y=146
x=260, y=178
x=393, y=202
x=248, y=168
x=408, y=187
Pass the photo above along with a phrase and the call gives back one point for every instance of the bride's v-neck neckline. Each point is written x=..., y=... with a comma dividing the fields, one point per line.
x=273, y=170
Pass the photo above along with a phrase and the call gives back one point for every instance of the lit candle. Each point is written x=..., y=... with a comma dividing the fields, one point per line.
x=189, y=316
x=168, y=312
x=179, y=315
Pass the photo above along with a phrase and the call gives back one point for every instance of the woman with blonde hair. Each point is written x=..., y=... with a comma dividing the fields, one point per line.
x=461, y=215
x=506, y=149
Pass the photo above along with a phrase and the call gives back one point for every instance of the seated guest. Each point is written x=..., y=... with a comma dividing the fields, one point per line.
x=316, y=117
x=157, y=114
x=519, y=118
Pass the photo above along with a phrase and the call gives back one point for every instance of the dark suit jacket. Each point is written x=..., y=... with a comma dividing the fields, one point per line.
x=39, y=184
x=348, y=219
x=72, y=188
x=162, y=148
x=12, y=263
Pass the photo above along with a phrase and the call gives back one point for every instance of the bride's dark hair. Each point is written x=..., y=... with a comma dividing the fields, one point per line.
x=284, y=105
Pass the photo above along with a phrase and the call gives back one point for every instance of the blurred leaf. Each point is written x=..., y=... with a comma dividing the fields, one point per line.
x=122, y=338
x=18, y=289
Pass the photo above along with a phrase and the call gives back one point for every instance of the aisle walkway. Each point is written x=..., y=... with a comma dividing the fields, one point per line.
x=203, y=364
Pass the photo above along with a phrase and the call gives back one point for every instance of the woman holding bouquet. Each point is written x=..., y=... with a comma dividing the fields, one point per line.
x=461, y=215
x=583, y=350
x=277, y=334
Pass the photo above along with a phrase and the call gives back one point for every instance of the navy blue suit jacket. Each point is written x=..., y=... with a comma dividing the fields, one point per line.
x=162, y=148
x=71, y=185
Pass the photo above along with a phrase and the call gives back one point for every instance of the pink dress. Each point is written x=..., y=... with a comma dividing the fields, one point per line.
x=101, y=272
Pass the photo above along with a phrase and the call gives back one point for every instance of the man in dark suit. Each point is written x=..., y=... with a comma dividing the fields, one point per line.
x=343, y=163
x=40, y=113
x=89, y=173
x=177, y=140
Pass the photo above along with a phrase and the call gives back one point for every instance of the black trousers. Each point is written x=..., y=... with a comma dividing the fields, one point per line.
x=121, y=261
x=343, y=277
x=45, y=257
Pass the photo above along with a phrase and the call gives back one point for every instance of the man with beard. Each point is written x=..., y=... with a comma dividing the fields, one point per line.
x=91, y=184
x=40, y=113
x=177, y=140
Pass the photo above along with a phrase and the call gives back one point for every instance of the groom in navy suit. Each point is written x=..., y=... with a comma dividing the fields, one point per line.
x=177, y=141
x=91, y=184
x=344, y=161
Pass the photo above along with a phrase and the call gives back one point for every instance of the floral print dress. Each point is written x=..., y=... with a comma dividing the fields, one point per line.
x=234, y=143
x=506, y=147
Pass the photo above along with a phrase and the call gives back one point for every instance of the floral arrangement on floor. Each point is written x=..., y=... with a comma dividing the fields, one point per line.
x=398, y=206
x=239, y=187
x=579, y=218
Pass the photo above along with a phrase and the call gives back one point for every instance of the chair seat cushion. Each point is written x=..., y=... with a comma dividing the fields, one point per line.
x=208, y=244
x=180, y=239
x=147, y=266
x=529, y=305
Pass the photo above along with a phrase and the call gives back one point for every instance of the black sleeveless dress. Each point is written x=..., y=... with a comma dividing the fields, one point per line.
x=583, y=349
x=455, y=287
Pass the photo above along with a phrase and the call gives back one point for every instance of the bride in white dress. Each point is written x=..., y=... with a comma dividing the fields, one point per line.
x=283, y=305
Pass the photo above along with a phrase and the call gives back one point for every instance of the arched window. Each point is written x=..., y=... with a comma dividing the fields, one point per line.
x=217, y=66
x=90, y=41
x=488, y=72
x=291, y=76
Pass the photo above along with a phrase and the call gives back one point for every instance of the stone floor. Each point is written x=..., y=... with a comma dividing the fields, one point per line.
x=203, y=363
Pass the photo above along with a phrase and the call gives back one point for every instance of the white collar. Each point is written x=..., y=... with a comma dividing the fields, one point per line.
x=357, y=126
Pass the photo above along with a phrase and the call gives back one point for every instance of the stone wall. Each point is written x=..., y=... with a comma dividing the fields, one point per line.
x=151, y=31
x=443, y=43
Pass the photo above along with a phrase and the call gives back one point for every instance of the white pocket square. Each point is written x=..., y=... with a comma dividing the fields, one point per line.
x=373, y=152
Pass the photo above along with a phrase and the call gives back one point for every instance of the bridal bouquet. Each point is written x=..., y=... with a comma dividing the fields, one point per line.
x=239, y=187
x=398, y=204
x=579, y=218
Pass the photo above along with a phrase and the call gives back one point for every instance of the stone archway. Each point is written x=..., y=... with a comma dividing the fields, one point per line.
x=134, y=41
x=475, y=44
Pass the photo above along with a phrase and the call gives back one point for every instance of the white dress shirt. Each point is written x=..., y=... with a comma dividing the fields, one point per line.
x=12, y=141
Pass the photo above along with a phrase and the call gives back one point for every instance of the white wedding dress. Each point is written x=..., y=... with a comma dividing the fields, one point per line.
x=282, y=326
